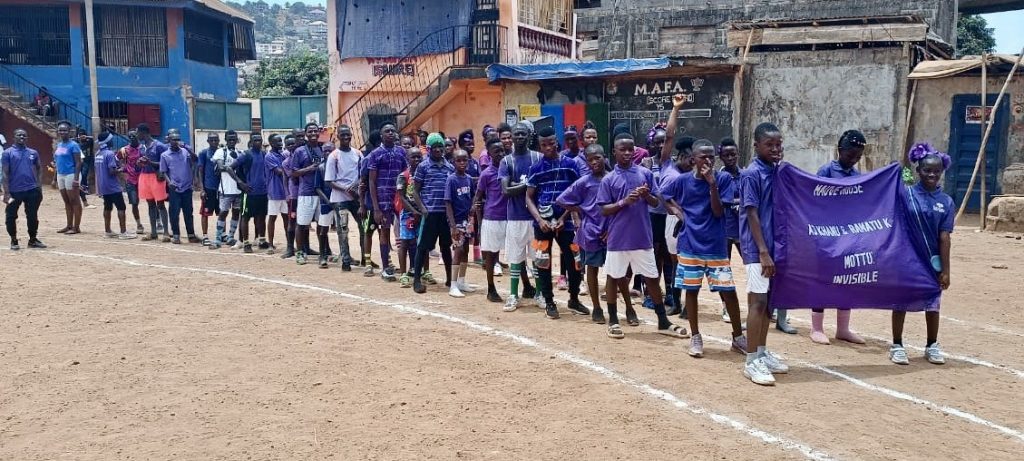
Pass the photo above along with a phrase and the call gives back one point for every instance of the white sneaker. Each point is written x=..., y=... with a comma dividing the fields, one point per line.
x=725, y=316
x=696, y=346
x=466, y=287
x=898, y=354
x=455, y=293
x=126, y=236
x=757, y=372
x=497, y=270
x=511, y=303
x=773, y=363
x=934, y=354
x=238, y=245
x=539, y=299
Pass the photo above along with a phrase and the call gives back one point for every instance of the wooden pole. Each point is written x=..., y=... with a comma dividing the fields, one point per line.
x=739, y=85
x=984, y=139
x=906, y=127
x=984, y=110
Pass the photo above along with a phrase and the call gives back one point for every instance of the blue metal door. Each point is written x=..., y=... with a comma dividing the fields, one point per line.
x=965, y=136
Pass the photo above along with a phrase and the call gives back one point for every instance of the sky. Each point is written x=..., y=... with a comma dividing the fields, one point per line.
x=1009, y=30
x=282, y=2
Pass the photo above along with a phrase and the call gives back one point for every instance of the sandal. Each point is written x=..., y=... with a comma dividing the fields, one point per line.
x=632, y=319
x=64, y=230
x=675, y=331
x=615, y=331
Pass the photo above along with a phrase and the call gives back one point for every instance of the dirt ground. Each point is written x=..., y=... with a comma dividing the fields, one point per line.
x=138, y=350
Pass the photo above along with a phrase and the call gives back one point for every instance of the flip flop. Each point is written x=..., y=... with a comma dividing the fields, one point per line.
x=64, y=230
x=675, y=331
x=615, y=331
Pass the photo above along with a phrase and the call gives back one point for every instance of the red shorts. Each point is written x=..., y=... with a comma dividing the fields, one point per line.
x=151, y=189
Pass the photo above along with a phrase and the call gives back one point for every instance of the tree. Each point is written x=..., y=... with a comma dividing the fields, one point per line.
x=973, y=36
x=297, y=75
x=297, y=8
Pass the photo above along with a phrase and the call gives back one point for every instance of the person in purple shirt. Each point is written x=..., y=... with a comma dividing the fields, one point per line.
x=22, y=176
x=366, y=202
x=108, y=185
x=581, y=198
x=459, y=190
x=851, y=149
x=729, y=153
x=305, y=162
x=757, y=247
x=277, y=189
x=386, y=163
x=549, y=177
x=249, y=171
x=208, y=198
x=430, y=179
x=176, y=166
x=624, y=196
x=152, y=186
x=660, y=141
x=932, y=213
x=513, y=171
x=495, y=215
x=695, y=199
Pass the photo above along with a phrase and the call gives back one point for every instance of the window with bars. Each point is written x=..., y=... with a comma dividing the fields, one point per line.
x=115, y=114
x=204, y=38
x=241, y=43
x=35, y=35
x=131, y=36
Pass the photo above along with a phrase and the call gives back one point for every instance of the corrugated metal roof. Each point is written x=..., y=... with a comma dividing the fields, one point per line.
x=215, y=5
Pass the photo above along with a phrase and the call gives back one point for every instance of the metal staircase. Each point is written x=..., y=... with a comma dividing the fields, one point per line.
x=415, y=81
x=17, y=95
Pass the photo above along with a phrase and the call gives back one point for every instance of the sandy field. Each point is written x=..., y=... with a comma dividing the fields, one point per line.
x=134, y=350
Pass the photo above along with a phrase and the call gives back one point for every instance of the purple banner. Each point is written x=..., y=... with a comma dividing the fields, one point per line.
x=847, y=243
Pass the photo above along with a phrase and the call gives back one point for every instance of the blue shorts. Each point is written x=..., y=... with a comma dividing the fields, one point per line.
x=409, y=225
x=692, y=270
x=593, y=258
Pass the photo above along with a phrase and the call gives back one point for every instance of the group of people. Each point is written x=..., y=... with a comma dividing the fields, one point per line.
x=663, y=215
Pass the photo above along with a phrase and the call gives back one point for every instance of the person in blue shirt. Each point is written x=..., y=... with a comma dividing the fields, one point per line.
x=757, y=245
x=209, y=201
x=250, y=173
x=702, y=246
x=430, y=179
x=548, y=178
x=729, y=153
x=932, y=212
x=851, y=149
x=22, y=177
x=67, y=157
x=458, y=202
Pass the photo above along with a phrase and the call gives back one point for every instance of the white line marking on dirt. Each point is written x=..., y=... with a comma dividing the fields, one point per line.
x=963, y=358
x=969, y=417
x=764, y=436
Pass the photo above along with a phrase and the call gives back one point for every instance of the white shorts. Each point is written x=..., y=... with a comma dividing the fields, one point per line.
x=326, y=220
x=617, y=263
x=307, y=208
x=757, y=283
x=670, y=224
x=277, y=207
x=492, y=236
x=66, y=181
x=518, y=235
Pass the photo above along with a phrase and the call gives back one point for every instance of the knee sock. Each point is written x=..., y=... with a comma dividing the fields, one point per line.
x=220, y=229
x=234, y=227
x=385, y=255
x=513, y=285
x=613, y=314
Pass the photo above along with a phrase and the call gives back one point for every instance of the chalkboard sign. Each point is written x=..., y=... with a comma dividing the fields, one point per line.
x=642, y=103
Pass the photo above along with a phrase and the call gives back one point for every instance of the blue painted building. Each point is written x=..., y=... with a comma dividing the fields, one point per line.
x=153, y=56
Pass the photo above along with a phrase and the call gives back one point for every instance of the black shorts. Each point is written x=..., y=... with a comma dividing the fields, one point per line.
x=211, y=204
x=658, y=228
x=254, y=205
x=111, y=201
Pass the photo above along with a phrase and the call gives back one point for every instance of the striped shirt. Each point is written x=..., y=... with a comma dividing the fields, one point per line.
x=389, y=163
x=432, y=177
x=551, y=177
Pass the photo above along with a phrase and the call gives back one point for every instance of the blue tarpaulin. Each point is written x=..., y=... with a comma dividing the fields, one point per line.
x=393, y=28
x=496, y=72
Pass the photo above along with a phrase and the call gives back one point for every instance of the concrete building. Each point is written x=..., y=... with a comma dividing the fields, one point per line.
x=275, y=48
x=433, y=76
x=154, y=59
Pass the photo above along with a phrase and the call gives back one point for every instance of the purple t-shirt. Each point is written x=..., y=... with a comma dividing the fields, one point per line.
x=516, y=168
x=22, y=164
x=153, y=152
x=731, y=202
x=178, y=169
x=834, y=169
x=251, y=166
x=583, y=194
x=630, y=228
x=106, y=173
x=757, y=183
x=704, y=234
x=302, y=158
x=389, y=162
x=293, y=183
x=275, y=181
x=364, y=177
x=459, y=191
x=495, y=203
